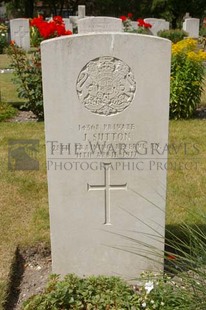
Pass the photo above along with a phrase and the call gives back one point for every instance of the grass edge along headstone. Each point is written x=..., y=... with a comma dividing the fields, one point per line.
x=106, y=100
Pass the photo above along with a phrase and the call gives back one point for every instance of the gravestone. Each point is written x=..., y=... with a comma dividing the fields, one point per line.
x=187, y=15
x=68, y=24
x=81, y=14
x=106, y=124
x=99, y=24
x=157, y=24
x=191, y=26
x=81, y=11
x=134, y=25
x=20, y=33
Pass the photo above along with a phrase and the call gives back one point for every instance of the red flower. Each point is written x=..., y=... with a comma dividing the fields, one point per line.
x=67, y=32
x=123, y=18
x=142, y=23
x=51, y=29
x=60, y=29
x=36, y=21
x=147, y=25
x=58, y=20
x=130, y=15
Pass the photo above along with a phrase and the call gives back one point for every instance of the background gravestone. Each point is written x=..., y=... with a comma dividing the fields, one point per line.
x=106, y=122
x=20, y=32
x=191, y=26
x=99, y=24
x=157, y=24
x=81, y=11
x=68, y=24
x=81, y=14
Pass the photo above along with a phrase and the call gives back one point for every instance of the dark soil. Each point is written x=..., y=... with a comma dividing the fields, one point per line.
x=33, y=267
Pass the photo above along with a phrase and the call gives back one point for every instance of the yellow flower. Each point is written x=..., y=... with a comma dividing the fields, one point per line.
x=189, y=48
x=202, y=55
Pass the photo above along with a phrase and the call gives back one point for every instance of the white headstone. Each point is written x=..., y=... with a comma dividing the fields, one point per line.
x=187, y=15
x=81, y=14
x=106, y=121
x=81, y=11
x=99, y=24
x=68, y=24
x=157, y=24
x=20, y=32
x=191, y=26
x=134, y=25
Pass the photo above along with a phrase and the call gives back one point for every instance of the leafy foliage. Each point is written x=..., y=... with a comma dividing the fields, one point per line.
x=6, y=111
x=187, y=74
x=175, y=35
x=28, y=77
x=27, y=67
x=99, y=292
x=3, y=37
x=157, y=291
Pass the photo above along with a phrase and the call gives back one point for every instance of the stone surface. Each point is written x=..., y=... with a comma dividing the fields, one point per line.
x=157, y=24
x=68, y=24
x=99, y=24
x=106, y=123
x=187, y=15
x=20, y=32
x=191, y=26
x=81, y=11
x=134, y=25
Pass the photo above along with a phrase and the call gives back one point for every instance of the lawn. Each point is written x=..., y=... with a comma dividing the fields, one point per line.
x=24, y=207
x=8, y=91
x=4, y=61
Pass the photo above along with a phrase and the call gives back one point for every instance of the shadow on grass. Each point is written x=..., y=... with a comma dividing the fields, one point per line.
x=17, y=270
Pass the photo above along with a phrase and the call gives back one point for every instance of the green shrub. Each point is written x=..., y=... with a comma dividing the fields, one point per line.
x=202, y=38
x=203, y=31
x=98, y=292
x=3, y=37
x=28, y=77
x=6, y=111
x=175, y=35
x=187, y=76
x=103, y=293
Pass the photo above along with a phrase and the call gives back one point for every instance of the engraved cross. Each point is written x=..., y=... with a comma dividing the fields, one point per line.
x=107, y=187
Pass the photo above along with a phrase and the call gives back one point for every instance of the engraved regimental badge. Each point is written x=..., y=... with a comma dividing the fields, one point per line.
x=106, y=86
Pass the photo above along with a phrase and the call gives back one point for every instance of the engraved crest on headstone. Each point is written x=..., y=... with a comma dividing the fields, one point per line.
x=106, y=86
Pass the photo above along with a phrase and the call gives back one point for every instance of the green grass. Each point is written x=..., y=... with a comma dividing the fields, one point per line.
x=186, y=177
x=4, y=61
x=8, y=90
x=23, y=201
x=24, y=218
x=203, y=98
x=6, y=111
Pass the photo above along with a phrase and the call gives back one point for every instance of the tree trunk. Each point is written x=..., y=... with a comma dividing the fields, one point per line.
x=29, y=8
